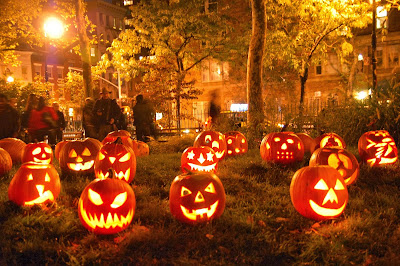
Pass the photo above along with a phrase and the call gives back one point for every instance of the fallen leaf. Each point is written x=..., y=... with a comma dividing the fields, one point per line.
x=261, y=223
x=209, y=236
x=281, y=219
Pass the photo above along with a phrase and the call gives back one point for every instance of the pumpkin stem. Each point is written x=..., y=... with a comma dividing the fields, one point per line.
x=111, y=173
x=118, y=141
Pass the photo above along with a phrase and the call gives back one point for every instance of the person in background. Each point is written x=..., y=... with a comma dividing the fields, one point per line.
x=214, y=110
x=61, y=122
x=106, y=112
x=143, y=119
x=31, y=103
x=9, y=117
x=42, y=121
x=122, y=121
x=88, y=119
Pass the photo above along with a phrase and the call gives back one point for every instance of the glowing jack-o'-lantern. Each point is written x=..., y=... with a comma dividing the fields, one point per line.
x=77, y=156
x=40, y=152
x=329, y=140
x=34, y=183
x=196, y=198
x=318, y=192
x=200, y=159
x=377, y=148
x=340, y=159
x=236, y=143
x=118, y=157
x=107, y=206
x=213, y=139
x=5, y=162
x=282, y=147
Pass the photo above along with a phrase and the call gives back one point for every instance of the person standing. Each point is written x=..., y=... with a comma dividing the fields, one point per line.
x=106, y=112
x=42, y=121
x=61, y=122
x=143, y=119
x=9, y=117
x=214, y=110
x=88, y=122
x=31, y=104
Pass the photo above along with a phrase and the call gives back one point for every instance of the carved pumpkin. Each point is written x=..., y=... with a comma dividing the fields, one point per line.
x=329, y=140
x=308, y=142
x=34, y=183
x=107, y=206
x=58, y=148
x=5, y=162
x=40, y=152
x=140, y=148
x=236, y=143
x=318, y=192
x=196, y=198
x=118, y=157
x=15, y=147
x=282, y=147
x=200, y=159
x=77, y=156
x=340, y=159
x=213, y=139
x=377, y=148
x=124, y=135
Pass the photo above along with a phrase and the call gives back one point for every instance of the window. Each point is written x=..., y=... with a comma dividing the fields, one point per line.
x=121, y=23
x=50, y=72
x=128, y=2
x=394, y=56
x=60, y=73
x=379, y=58
x=92, y=51
x=318, y=70
x=37, y=69
x=214, y=71
x=107, y=21
x=114, y=23
x=24, y=72
x=381, y=17
x=101, y=18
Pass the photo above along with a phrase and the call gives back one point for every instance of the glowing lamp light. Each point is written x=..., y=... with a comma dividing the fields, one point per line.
x=360, y=57
x=71, y=111
x=10, y=79
x=158, y=116
x=239, y=107
x=53, y=28
x=361, y=95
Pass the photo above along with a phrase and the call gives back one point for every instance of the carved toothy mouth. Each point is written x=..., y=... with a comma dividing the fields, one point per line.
x=120, y=175
x=284, y=155
x=204, y=213
x=200, y=168
x=80, y=166
x=325, y=211
x=111, y=221
x=43, y=196
x=46, y=161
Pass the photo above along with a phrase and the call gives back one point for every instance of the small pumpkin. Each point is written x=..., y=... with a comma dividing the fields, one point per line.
x=34, y=183
x=107, y=206
x=118, y=157
x=282, y=147
x=329, y=140
x=318, y=192
x=236, y=143
x=39, y=152
x=140, y=148
x=124, y=135
x=213, y=139
x=15, y=147
x=5, y=162
x=196, y=198
x=340, y=159
x=199, y=159
x=377, y=148
x=308, y=142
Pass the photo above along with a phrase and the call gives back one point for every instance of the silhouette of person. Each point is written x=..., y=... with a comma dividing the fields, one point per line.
x=42, y=121
x=214, y=110
x=143, y=119
x=61, y=122
x=9, y=117
x=88, y=120
x=31, y=103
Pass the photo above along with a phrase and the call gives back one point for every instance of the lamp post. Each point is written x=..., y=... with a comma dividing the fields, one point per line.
x=53, y=29
x=373, y=47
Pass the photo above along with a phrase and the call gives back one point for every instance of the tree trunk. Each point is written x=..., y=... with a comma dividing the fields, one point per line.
x=303, y=80
x=178, y=104
x=85, y=48
x=255, y=114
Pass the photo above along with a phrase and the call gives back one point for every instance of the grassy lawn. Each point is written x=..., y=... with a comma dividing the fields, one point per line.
x=259, y=224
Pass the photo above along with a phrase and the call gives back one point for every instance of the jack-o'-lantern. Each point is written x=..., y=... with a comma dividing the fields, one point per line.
x=40, y=152
x=196, y=198
x=77, y=156
x=213, y=139
x=340, y=159
x=124, y=135
x=15, y=147
x=308, y=142
x=236, y=143
x=282, y=147
x=140, y=148
x=118, y=157
x=329, y=140
x=318, y=192
x=34, y=183
x=107, y=206
x=5, y=162
x=377, y=148
x=200, y=159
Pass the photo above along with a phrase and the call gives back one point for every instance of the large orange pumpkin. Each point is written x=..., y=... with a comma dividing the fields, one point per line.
x=213, y=139
x=377, y=148
x=39, y=152
x=34, y=183
x=318, y=192
x=282, y=147
x=5, y=162
x=15, y=147
x=107, y=206
x=196, y=198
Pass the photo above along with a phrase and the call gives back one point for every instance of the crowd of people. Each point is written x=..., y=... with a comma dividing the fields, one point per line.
x=41, y=122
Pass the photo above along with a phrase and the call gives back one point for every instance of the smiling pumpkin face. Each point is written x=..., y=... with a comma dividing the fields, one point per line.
x=201, y=159
x=107, y=206
x=34, y=183
x=196, y=198
x=318, y=192
x=213, y=139
x=40, y=152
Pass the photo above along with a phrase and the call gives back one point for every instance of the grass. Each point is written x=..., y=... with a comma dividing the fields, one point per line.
x=259, y=224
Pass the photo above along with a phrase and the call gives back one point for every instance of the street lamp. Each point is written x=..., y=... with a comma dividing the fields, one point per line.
x=373, y=47
x=53, y=29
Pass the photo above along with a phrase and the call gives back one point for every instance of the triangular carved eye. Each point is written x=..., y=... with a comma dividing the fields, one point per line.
x=125, y=158
x=119, y=200
x=47, y=178
x=73, y=154
x=86, y=152
x=101, y=156
x=185, y=191
x=30, y=177
x=95, y=197
x=321, y=185
x=210, y=188
x=339, y=185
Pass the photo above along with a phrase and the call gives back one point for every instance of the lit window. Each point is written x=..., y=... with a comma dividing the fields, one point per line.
x=92, y=51
x=381, y=17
